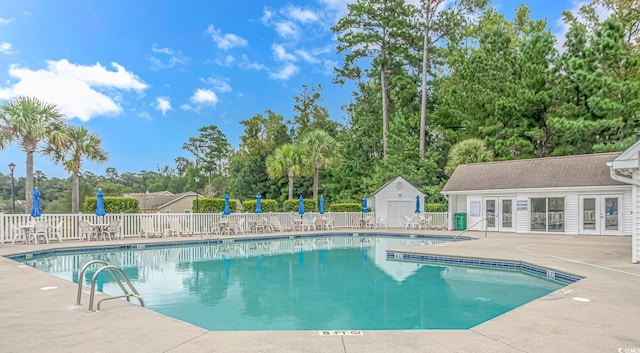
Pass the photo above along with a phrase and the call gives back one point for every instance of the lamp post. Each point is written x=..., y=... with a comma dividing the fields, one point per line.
x=13, y=192
x=197, y=180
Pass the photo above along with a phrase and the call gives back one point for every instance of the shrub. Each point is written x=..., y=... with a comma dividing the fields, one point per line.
x=214, y=205
x=112, y=204
x=345, y=207
x=268, y=205
x=292, y=205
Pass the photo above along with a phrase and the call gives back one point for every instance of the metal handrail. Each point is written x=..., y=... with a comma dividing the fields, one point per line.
x=473, y=225
x=127, y=295
x=110, y=269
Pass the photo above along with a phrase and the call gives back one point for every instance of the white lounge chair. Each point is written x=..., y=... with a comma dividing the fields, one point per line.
x=148, y=228
x=176, y=228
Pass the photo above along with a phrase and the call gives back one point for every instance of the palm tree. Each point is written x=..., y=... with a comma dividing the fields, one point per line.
x=320, y=151
x=31, y=122
x=84, y=145
x=286, y=160
x=467, y=151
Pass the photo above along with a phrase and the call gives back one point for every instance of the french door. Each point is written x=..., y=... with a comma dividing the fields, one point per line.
x=498, y=214
x=600, y=214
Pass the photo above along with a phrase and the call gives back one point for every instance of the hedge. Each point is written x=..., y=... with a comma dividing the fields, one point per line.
x=345, y=207
x=112, y=204
x=211, y=205
x=267, y=205
x=292, y=205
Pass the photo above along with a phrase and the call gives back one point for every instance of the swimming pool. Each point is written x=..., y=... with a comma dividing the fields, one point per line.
x=338, y=282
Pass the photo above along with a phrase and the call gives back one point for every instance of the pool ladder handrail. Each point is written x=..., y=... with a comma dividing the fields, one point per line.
x=110, y=268
x=473, y=225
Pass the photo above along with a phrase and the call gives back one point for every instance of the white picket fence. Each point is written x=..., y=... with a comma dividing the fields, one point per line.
x=198, y=223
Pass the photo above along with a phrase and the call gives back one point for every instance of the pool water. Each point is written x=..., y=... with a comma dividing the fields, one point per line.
x=325, y=283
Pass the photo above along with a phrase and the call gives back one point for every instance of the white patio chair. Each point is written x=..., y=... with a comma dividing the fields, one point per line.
x=41, y=231
x=57, y=231
x=113, y=230
x=15, y=233
x=381, y=223
x=86, y=230
x=148, y=228
x=274, y=223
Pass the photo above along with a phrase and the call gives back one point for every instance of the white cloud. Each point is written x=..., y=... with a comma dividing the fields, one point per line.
x=287, y=29
x=299, y=14
x=306, y=56
x=163, y=104
x=337, y=8
x=226, y=41
x=281, y=54
x=204, y=97
x=145, y=115
x=79, y=91
x=5, y=48
x=227, y=61
x=219, y=84
x=5, y=21
x=247, y=64
x=285, y=73
x=26, y=13
x=174, y=58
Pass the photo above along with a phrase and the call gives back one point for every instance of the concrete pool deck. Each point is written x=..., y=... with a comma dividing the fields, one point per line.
x=34, y=318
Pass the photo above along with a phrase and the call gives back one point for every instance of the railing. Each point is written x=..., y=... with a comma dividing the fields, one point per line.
x=473, y=225
x=198, y=223
x=112, y=270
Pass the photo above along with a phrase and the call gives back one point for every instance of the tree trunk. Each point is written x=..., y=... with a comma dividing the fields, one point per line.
x=385, y=111
x=28, y=197
x=290, y=175
x=75, y=190
x=316, y=178
x=423, y=105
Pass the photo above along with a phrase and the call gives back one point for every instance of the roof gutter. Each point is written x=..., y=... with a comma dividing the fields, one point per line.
x=617, y=177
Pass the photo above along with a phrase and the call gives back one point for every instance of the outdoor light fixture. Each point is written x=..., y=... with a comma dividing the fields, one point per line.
x=13, y=192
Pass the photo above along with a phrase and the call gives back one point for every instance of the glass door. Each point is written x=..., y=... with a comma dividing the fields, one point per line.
x=600, y=214
x=506, y=214
x=490, y=214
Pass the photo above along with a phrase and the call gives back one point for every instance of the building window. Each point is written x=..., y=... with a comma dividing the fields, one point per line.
x=547, y=214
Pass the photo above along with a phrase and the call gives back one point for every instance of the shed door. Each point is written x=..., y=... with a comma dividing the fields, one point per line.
x=600, y=214
x=395, y=210
x=498, y=214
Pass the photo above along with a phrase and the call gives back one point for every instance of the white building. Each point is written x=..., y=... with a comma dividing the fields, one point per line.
x=594, y=194
x=395, y=199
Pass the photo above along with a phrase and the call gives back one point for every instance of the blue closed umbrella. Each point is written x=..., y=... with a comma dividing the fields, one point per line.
x=417, y=203
x=301, y=206
x=364, y=204
x=258, y=203
x=35, y=210
x=227, y=210
x=321, y=204
x=100, y=203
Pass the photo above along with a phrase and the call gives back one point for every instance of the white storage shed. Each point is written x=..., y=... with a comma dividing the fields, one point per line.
x=395, y=199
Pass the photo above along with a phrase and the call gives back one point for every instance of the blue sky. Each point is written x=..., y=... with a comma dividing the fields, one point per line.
x=145, y=75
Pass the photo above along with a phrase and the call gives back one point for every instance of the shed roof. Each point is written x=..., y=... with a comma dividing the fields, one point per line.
x=550, y=172
x=393, y=181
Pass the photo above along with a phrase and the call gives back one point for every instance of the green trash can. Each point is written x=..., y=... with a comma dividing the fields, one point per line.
x=461, y=221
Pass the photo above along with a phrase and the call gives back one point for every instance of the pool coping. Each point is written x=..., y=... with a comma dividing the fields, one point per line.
x=36, y=319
